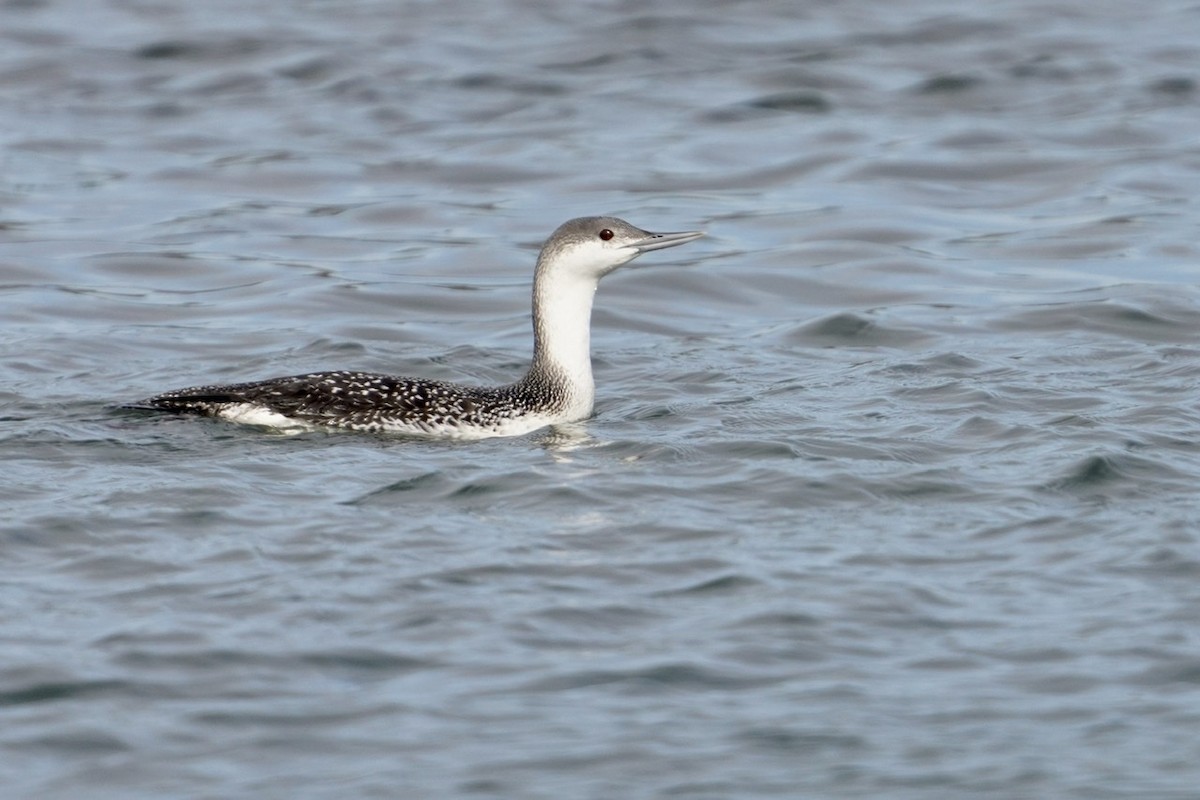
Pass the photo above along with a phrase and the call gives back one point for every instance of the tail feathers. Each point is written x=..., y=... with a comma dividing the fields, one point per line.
x=199, y=402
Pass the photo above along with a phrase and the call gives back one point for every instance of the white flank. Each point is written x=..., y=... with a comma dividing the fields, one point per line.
x=251, y=414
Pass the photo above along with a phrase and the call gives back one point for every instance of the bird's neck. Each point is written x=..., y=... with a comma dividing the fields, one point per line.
x=562, y=320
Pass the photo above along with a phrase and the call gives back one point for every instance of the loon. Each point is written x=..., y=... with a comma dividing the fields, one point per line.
x=558, y=388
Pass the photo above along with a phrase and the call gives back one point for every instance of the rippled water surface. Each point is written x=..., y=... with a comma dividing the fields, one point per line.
x=891, y=487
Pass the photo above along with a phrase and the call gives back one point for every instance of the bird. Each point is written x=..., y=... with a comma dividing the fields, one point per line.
x=558, y=387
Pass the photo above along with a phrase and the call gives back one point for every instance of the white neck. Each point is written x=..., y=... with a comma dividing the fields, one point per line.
x=562, y=341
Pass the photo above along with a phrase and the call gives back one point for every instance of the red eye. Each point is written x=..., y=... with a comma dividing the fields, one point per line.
x=606, y=234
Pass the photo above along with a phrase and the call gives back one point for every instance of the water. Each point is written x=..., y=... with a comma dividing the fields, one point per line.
x=891, y=487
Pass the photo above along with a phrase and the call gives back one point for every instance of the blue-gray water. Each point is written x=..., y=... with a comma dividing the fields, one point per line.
x=891, y=491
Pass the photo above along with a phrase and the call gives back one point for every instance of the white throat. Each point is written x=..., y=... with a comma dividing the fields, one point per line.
x=562, y=321
x=562, y=340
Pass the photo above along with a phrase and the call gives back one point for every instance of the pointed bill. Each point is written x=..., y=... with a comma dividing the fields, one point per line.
x=658, y=241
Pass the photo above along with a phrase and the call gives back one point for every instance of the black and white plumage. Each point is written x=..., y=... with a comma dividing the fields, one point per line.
x=558, y=387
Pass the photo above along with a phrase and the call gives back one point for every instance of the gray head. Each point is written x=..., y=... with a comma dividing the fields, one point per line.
x=592, y=247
